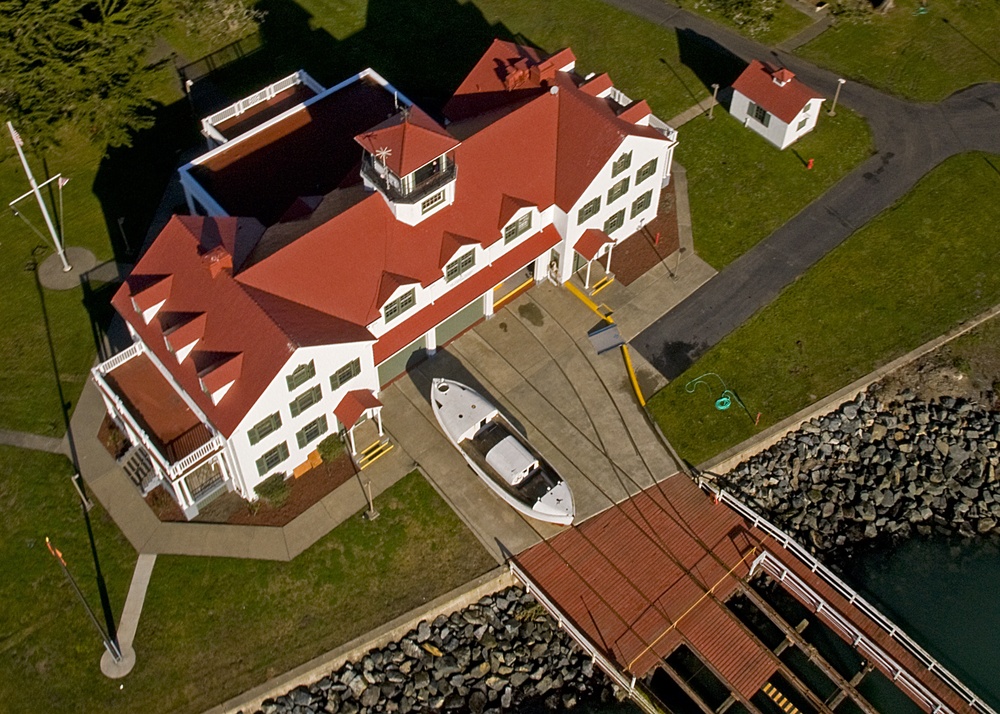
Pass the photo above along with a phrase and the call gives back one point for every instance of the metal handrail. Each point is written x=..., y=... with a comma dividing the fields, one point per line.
x=853, y=598
x=419, y=192
x=258, y=97
x=582, y=640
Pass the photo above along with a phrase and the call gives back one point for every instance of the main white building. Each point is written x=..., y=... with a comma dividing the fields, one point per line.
x=338, y=235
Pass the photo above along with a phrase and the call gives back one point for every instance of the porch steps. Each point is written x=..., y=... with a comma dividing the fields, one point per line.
x=374, y=452
x=138, y=467
x=601, y=284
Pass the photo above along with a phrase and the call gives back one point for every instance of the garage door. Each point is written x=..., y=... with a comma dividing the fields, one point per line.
x=407, y=357
x=461, y=320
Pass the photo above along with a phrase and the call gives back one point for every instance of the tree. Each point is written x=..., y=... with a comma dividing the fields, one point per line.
x=80, y=62
x=219, y=22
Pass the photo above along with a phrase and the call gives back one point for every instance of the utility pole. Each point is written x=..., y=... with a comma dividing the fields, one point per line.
x=836, y=95
x=19, y=145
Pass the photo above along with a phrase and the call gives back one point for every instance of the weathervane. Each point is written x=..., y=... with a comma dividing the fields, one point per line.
x=383, y=153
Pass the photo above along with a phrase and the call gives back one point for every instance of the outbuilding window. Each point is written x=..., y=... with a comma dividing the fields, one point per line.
x=759, y=113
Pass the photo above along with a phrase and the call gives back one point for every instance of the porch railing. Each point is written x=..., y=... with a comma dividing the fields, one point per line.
x=202, y=452
x=121, y=358
x=853, y=598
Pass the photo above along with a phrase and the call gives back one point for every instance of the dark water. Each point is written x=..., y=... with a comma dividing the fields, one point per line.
x=946, y=595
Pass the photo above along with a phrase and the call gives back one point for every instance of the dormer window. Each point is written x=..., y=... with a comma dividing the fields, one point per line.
x=518, y=228
x=395, y=308
x=460, y=265
x=621, y=163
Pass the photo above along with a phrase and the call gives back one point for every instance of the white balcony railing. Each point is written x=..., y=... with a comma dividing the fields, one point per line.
x=853, y=598
x=121, y=358
x=209, y=124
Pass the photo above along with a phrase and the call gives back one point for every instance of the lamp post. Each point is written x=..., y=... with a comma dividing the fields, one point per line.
x=836, y=95
x=715, y=98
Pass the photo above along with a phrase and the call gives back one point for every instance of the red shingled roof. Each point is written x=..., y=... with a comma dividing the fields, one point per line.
x=353, y=405
x=411, y=140
x=591, y=242
x=785, y=102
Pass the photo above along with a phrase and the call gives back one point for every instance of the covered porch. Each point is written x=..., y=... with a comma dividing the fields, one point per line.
x=172, y=444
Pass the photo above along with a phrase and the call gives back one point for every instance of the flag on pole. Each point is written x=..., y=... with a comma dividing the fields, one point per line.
x=55, y=551
x=63, y=181
x=15, y=136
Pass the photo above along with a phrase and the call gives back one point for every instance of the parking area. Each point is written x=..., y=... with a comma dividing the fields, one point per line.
x=534, y=359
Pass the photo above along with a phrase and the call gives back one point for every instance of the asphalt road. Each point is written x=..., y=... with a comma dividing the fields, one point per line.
x=911, y=139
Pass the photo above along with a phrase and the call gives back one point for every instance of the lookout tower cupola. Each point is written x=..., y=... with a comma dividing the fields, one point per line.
x=410, y=159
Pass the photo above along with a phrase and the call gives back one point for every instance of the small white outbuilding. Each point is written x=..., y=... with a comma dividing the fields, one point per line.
x=773, y=103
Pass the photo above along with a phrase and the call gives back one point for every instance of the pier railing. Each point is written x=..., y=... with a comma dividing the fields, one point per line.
x=853, y=598
x=625, y=682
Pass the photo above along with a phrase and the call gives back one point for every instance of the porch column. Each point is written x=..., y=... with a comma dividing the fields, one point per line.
x=610, y=247
x=350, y=438
x=430, y=341
x=378, y=419
x=186, y=497
x=586, y=283
x=488, y=303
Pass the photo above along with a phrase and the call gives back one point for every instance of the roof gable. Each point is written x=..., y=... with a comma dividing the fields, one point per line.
x=783, y=98
x=406, y=141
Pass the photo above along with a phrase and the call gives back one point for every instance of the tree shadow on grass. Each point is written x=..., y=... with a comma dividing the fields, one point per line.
x=711, y=62
x=423, y=47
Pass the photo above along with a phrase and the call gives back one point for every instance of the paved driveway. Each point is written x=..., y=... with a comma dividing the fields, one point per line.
x=534, y=359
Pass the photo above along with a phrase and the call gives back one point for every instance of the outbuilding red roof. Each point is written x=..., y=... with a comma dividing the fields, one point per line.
x=784, y=100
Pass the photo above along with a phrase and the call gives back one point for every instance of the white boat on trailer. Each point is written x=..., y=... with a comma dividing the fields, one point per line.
x=501, y=456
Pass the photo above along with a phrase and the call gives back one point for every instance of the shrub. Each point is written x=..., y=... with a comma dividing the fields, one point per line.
x=330, y=448
x=274, y=490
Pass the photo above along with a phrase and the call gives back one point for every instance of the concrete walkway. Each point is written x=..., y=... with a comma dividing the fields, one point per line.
x=911, y=139
x=130, y=619
x=34, y=442
x=148, y=534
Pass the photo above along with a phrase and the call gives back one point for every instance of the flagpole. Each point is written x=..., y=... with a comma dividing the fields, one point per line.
x=19, y=145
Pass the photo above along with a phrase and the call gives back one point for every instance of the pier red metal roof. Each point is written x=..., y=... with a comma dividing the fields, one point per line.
x=655, y=571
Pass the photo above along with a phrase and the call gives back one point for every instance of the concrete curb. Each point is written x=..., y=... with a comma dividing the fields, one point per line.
x=315, y=669
x=731, y=458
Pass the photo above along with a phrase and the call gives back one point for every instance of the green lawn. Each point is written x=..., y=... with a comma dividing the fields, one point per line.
x=923, y=57
x=742, y=188
x=913, y=273
x=211, y=627
x=786, y=22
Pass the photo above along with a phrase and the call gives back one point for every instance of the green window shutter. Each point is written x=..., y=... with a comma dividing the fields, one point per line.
x=323, y=426
x=282, y=451
x=261, y=466
x=301, y=438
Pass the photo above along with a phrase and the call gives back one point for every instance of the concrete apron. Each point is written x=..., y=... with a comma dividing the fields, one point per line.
x=534, y=360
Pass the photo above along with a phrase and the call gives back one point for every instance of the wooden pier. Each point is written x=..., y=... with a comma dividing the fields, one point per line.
x=653, y=579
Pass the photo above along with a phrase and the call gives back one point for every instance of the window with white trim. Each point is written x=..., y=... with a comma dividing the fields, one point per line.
x=429, y=203
x=312, y=431
x=621, y=163
x=615, y=222
x=302, y=374
x=641, y=204
x=272, y=458
x=267, y=425
x=395, y=308
x=345, y=374
x=306, y=400
x=648, y=169
x=759, y=113
x=618, y=190
x=589, y=210
x=460, y=265
x=517, y=228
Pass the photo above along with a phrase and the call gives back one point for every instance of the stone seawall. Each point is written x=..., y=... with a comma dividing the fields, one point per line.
x=879, y=467
x=502, y=653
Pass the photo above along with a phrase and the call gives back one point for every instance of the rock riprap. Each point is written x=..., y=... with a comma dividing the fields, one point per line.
x=502, y=653
x=875, y=469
